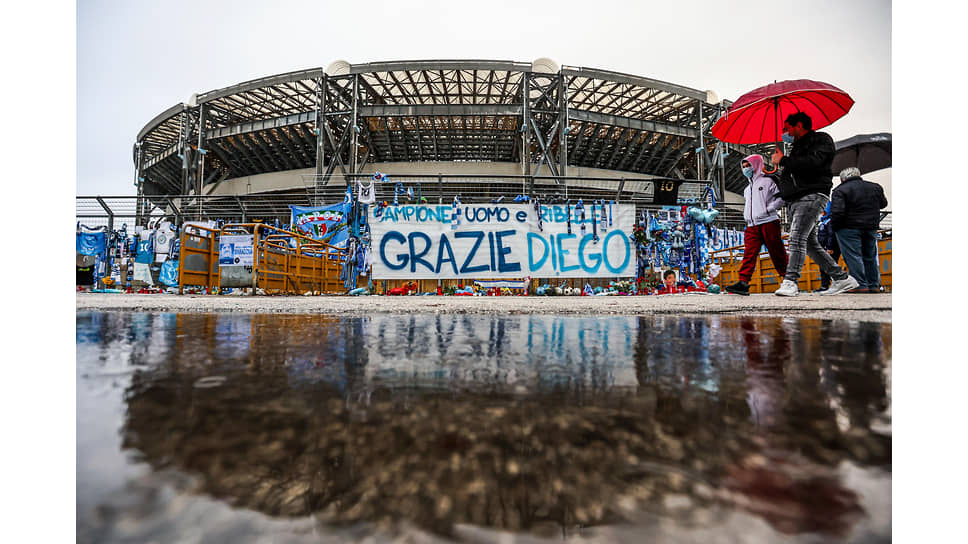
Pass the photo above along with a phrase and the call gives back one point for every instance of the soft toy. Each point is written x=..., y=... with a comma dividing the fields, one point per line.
x=410, y=287
x=466, y=292
x=703, y=216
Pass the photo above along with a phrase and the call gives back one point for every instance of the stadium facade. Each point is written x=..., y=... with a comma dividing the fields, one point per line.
x=459, y=121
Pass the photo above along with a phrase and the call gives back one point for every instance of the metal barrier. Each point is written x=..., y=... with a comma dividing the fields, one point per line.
x=283, y=261
x=765, y=278
x=435, y=188
x=286, y=262
x=198, y=258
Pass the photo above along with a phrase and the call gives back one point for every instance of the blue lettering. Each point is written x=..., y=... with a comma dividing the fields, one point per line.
x=502, y=265
x=479, y=235
x=418, y=257
x=554, y=260
x=422, y=216
x=581, y=255
x=445, y=243
x=521, y=216
x=560, y=215
x=503, y=215
x=563, y=252
x=544, y=255
x=403, y=258
x=628, y=252
x=490, y=243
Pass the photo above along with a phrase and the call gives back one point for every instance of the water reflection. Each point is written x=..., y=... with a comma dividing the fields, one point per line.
x=526, y=423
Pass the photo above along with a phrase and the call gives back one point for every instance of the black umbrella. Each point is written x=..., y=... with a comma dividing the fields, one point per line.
x=868, y=152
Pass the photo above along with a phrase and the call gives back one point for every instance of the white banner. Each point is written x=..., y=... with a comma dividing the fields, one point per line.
x=502, y=241
x=235, y=250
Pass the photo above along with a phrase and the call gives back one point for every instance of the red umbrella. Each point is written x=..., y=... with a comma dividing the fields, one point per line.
x=757, y=116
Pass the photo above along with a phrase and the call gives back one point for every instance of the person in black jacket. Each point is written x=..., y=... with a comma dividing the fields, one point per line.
x=805, y=183
x=854, y=216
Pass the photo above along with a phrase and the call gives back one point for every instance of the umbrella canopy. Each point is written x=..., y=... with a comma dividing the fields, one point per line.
x=757, y=116
x=868, y=152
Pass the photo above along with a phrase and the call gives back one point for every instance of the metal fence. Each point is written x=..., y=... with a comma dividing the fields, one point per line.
x=113, y=211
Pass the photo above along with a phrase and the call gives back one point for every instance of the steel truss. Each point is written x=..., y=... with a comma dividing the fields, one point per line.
x=468, y=111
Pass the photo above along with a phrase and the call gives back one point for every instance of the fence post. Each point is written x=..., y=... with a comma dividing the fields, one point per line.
x=255, y=259
x=108, y=211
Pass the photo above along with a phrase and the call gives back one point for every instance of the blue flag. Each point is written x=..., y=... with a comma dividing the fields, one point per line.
x=91, y=243
x=169, y=273
x=324, y=223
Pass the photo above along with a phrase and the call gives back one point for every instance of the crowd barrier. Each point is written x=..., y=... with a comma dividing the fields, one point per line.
x=282, y=262
x=765, y=278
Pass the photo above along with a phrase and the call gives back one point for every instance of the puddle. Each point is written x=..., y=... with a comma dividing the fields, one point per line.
x=475, y=427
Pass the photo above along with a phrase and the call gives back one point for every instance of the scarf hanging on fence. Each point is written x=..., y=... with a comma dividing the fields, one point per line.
x=537, y=211
x=580, y=212
x=455, y=219
x=594, y=224
x=568, y=215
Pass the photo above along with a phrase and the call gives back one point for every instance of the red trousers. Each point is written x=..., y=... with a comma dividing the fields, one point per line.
x=757, y=236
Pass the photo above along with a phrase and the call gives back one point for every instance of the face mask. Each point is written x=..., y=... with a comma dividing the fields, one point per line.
x=787, y=138
x=748, y=171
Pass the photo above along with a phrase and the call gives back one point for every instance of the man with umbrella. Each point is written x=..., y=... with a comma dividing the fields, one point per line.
x=805, y=184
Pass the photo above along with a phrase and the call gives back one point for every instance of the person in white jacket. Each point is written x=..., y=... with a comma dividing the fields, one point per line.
x=762, y=224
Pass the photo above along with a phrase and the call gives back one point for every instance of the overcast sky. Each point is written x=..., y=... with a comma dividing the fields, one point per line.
x=136, y=59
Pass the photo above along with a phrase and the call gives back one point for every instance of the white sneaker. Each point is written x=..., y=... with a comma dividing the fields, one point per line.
x=841, y=286
x=787, y=289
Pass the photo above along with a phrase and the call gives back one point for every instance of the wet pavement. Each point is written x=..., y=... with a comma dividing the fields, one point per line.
x=232, y=427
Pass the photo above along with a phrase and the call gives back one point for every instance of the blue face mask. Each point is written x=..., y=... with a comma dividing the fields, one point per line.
x=748, y=171
x=787, y=138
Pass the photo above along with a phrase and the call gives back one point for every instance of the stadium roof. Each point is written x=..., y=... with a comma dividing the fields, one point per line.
x=436, y=110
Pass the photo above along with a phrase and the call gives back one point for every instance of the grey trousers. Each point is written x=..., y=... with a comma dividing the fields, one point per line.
x=804, y=214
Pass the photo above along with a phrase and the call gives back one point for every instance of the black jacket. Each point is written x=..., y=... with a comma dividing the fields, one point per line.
x=806, y=170
x=856, y=204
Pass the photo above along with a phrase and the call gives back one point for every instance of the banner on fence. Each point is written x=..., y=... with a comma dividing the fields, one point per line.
x=91, y=243
x=324, y=223
x=502, y=241
x=235, y=250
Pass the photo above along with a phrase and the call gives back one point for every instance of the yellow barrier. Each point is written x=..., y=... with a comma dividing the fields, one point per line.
x=198, y=258
x=765, y=278
x=278, y=267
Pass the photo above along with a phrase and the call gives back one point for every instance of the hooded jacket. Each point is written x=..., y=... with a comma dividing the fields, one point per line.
x=856, y=204
x=806, y=170
x=762, y=195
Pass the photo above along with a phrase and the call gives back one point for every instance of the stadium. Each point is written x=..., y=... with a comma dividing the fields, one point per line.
x=481, y=129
